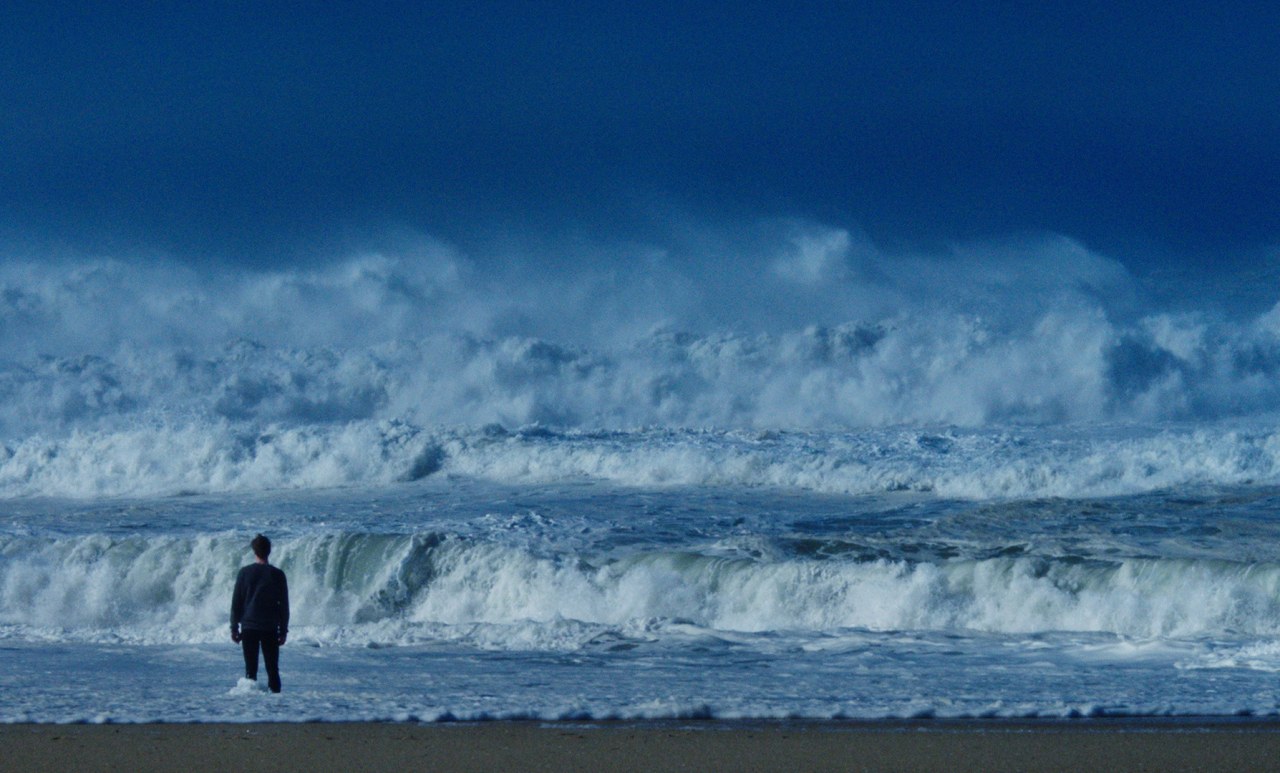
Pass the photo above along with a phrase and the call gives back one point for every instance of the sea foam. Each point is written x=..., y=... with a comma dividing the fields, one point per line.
x=141, y=378
x=386, y=589
x=966, y=464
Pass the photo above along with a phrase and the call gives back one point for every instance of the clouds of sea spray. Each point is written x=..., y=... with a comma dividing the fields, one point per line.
x=800, y=326
x=70, y=308
x=348, y=371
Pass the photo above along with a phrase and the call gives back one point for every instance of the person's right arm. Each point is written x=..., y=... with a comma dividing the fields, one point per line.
x=284, y=609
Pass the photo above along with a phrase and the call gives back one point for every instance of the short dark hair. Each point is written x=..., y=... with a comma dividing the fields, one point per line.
x=261, y=546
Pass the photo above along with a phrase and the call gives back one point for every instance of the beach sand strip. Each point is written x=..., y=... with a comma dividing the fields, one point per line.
x=662, y=746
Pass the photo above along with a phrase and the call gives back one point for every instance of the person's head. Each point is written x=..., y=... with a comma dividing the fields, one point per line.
x=261, y=547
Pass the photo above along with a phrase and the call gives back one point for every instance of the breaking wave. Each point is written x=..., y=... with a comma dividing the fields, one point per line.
x=950, y=463
x=388, y=589
x=824, y=364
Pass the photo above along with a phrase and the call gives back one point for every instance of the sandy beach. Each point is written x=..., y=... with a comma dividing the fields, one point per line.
x=930, y=745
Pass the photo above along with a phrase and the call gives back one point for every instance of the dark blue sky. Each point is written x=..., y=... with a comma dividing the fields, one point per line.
x=263, y=131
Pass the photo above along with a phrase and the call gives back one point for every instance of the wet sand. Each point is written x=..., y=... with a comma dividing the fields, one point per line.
x=1114, y=745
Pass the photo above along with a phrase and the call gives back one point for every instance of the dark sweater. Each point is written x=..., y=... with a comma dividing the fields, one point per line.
x=261, y=600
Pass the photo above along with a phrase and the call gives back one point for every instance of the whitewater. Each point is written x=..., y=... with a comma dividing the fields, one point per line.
x=1008, y=481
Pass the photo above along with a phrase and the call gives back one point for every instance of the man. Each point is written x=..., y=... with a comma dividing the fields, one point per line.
x=260, y=613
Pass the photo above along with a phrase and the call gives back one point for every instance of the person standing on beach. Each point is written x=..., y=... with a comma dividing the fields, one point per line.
x=260, y=613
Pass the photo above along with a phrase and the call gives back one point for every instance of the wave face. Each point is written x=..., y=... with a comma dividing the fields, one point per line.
x=137, y=378
x=371, y=589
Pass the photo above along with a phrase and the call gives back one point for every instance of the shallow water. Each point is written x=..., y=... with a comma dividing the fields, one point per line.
x=456, y=598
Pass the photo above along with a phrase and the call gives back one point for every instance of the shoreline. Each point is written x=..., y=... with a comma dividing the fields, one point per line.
x=1120, y=743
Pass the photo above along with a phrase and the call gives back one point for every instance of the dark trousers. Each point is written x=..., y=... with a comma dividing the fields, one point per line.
x=251, y=641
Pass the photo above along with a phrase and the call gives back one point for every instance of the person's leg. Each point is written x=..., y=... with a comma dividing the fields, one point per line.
x=249, y=641
x=271, y=659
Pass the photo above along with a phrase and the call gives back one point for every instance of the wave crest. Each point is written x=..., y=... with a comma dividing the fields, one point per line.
x=397, y=588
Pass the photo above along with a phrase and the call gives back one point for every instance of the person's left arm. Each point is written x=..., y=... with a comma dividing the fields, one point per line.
x=237, y=607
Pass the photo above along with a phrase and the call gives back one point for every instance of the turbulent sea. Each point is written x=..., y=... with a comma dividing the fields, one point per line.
x=1047, y=496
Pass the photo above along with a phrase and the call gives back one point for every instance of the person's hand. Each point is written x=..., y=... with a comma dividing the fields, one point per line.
x=235, y=635
x=280, y=639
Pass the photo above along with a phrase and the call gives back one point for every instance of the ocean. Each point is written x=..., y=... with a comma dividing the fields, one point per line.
x=1046, y=496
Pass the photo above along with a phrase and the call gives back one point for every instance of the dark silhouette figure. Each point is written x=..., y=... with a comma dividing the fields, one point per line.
x=260, y=613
